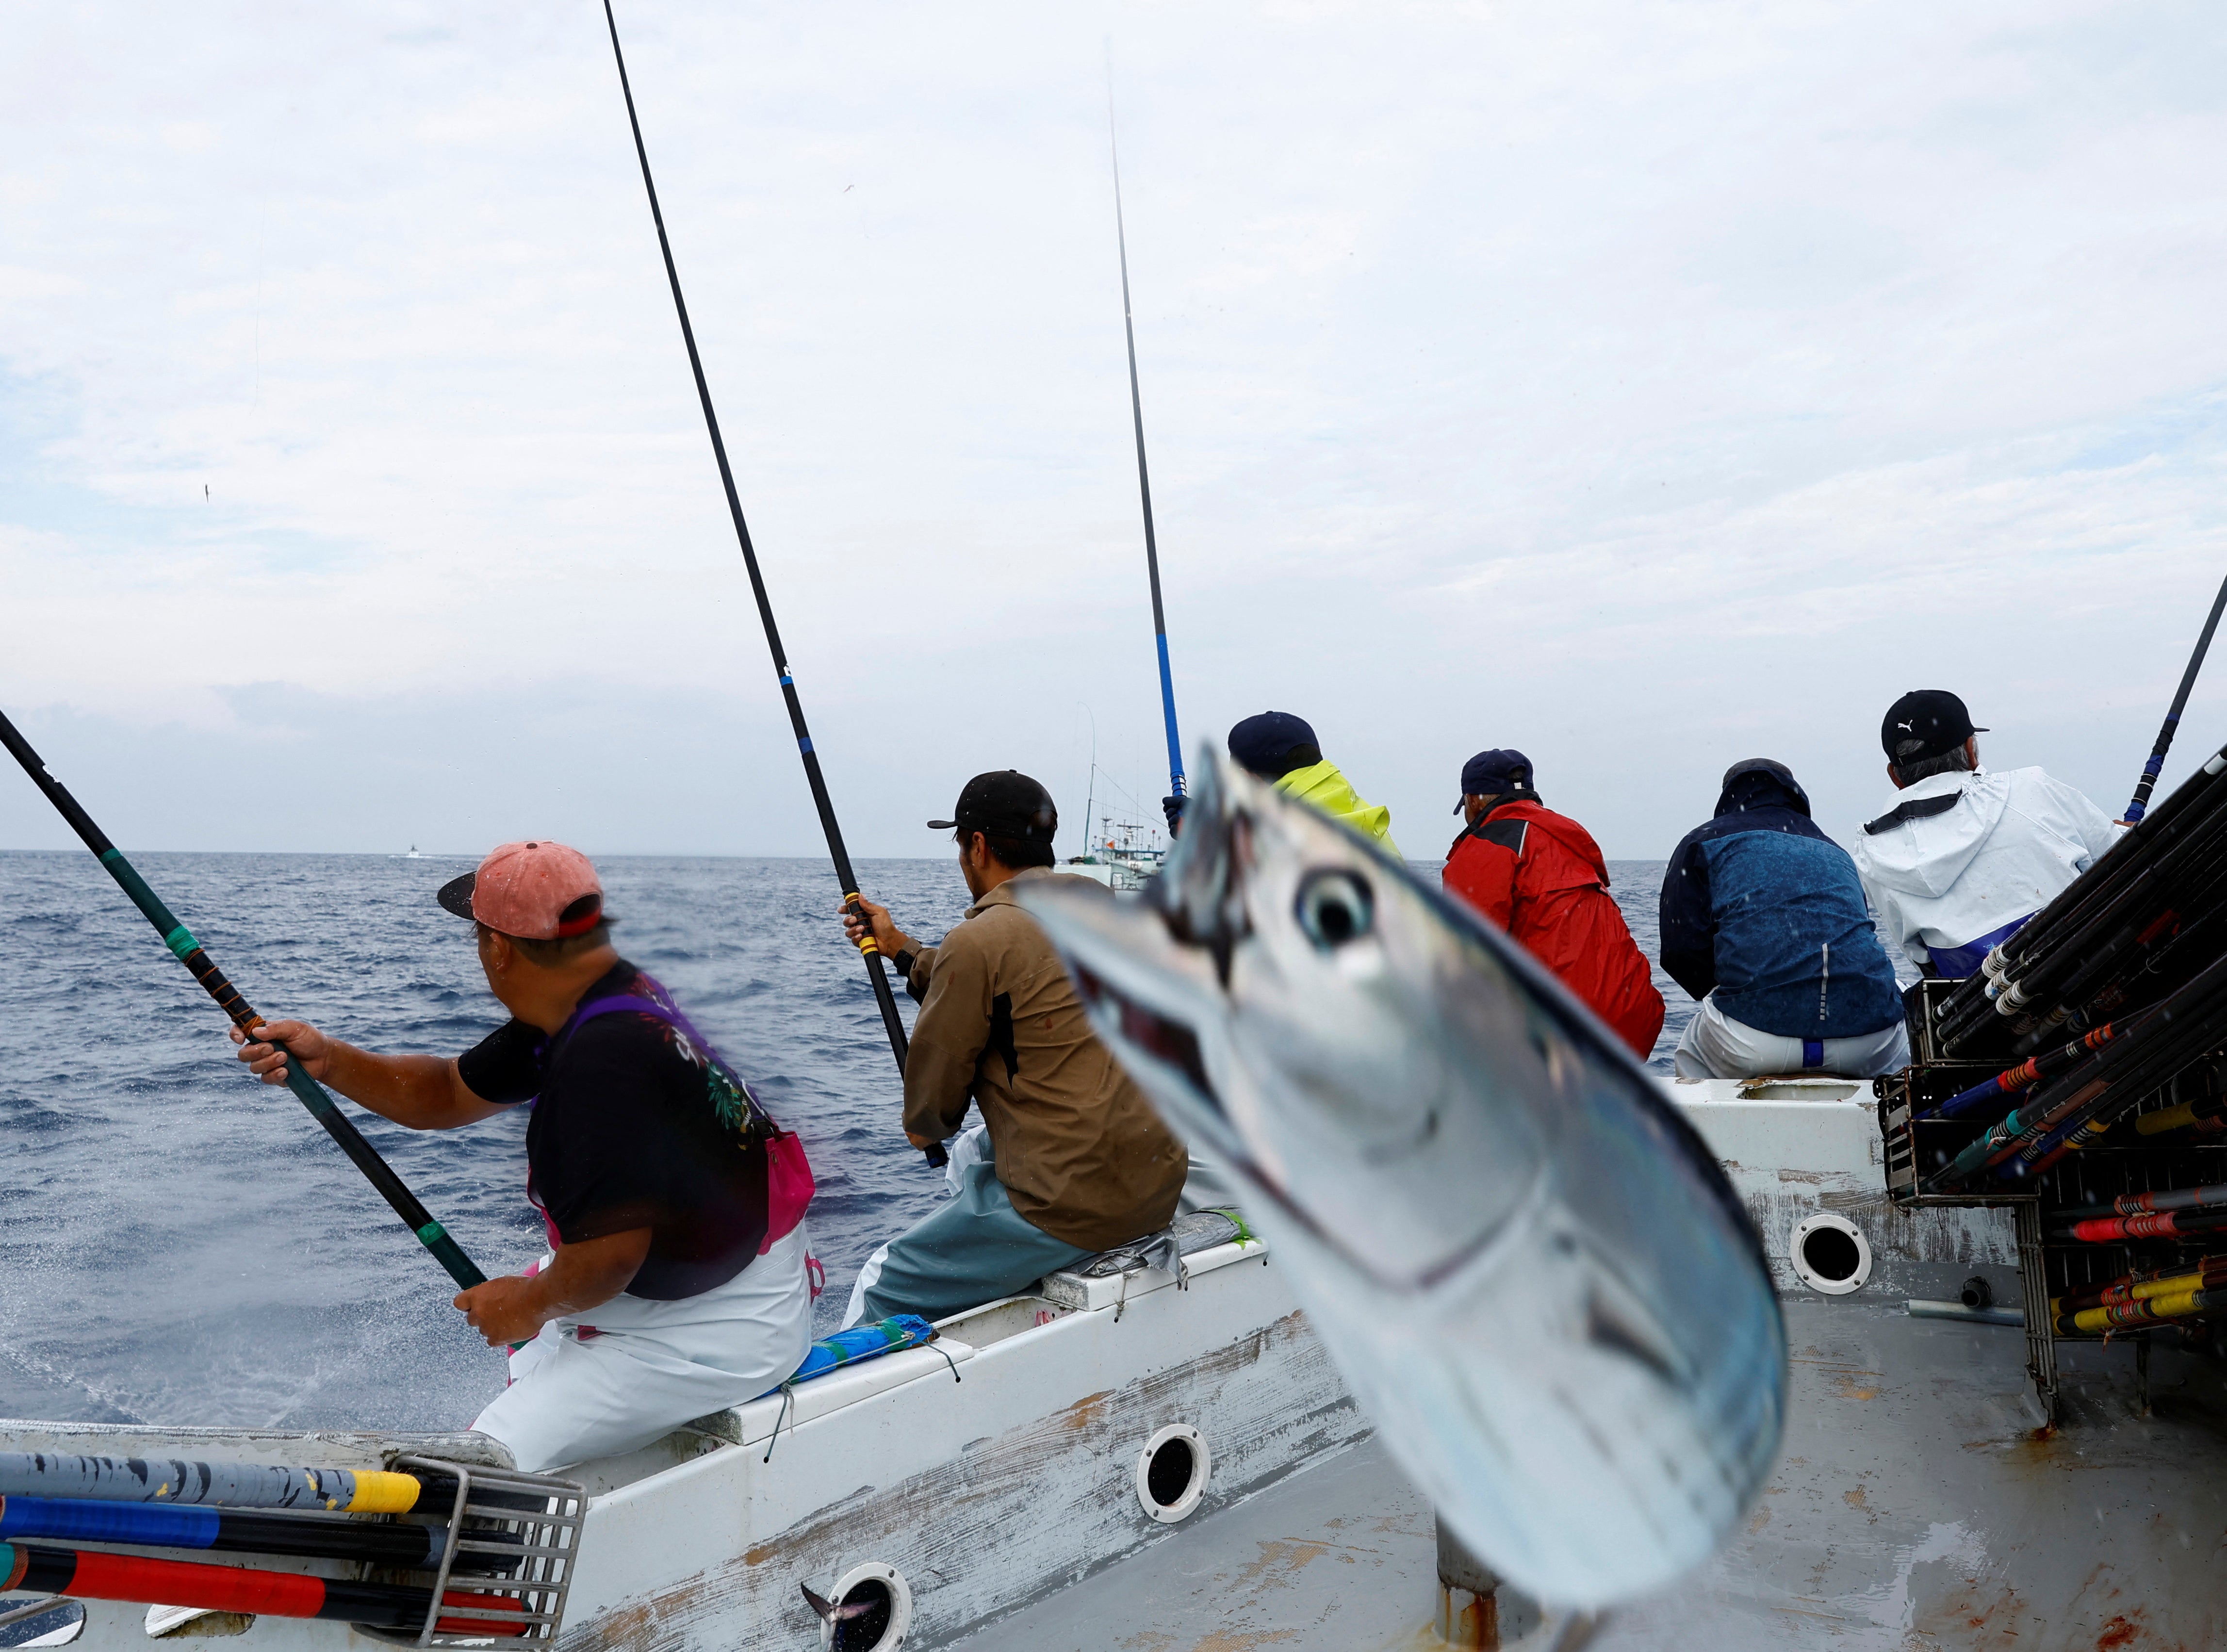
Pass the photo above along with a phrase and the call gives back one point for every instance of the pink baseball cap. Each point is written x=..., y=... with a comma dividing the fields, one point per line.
x=536, y=891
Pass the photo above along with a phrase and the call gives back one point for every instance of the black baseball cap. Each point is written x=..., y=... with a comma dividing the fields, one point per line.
x=1494, y=774
x=1924, y=723
x=1270, y=744
x=1006, y=803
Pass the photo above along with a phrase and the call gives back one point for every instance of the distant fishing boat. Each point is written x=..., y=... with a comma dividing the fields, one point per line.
x=1123, y=854
x=411, y=855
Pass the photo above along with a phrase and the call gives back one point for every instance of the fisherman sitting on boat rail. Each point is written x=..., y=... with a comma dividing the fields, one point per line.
x=1967, y=857
x=1078, y=1161
x=676, y=1282
x=1280, y=746
x=1763, y=920
x=1539, y=876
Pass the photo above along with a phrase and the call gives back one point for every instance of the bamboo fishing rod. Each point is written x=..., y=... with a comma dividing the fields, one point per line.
x=1175, y=782
x=876, y=973
x=2156, y=762
x=188, y=951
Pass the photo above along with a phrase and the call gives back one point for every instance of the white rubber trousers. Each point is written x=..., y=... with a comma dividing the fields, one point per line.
x=1714, y=1045
x=622, y=1375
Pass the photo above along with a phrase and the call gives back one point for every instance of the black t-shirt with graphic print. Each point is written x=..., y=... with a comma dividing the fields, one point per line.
x=628, y=1133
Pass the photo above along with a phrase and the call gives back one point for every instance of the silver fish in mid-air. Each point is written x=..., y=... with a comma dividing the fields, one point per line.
x=1531, y=1270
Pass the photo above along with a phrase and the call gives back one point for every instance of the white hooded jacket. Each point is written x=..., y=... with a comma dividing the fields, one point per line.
x=1963, y=859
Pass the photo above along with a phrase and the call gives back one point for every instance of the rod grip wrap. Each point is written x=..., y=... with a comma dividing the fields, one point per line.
x=380, y=1492
x=127, y=877
x=450, y=1256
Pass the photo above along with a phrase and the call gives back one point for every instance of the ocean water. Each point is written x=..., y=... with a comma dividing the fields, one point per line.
x=179, y=1244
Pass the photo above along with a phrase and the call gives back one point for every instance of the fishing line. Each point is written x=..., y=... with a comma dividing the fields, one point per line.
x=884, y=999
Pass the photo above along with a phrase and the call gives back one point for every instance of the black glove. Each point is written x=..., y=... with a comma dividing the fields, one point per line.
x=1173, y=808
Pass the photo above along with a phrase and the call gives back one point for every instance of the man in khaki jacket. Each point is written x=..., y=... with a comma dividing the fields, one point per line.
x=1078, y=1161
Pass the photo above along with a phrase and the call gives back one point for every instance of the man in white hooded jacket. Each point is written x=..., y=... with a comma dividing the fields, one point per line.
x=1967, y=857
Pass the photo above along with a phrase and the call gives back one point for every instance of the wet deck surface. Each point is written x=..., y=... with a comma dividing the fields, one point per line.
x=1914, y=1507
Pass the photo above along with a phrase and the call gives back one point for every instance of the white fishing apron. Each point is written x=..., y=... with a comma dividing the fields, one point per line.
x=624, y=1373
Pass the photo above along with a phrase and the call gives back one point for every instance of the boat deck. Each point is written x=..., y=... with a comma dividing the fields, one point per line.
x=1915, y=1507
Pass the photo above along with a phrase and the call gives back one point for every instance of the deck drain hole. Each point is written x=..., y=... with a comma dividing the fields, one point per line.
x=882, y=1625
x=1830, y=1254
x=1171, y=1472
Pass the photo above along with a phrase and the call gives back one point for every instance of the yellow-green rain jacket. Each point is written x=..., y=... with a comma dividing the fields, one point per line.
x=1322, y=784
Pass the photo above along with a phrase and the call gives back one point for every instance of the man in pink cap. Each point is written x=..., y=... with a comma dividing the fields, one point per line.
x=675, y=1284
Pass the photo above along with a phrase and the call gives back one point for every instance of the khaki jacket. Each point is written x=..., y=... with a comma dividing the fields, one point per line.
x=1081, y=1153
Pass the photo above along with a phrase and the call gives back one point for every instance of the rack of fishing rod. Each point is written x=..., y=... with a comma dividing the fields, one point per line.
x=2081, y=1078
x=427, y=1554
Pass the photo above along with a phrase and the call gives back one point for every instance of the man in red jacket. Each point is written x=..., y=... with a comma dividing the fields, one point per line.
x=1539, y=876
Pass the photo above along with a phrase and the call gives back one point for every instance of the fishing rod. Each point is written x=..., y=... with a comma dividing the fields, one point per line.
x=238, y=1485
x=180, y=939
x=2149, y=774
x=328, y=1537
x=2164, y=1309
x=2117, y=917
x=93, y=1575
x=1176, y=783
x=2205, y=1273
x=2002, y=982
x=876, y=973
x=2101, y=1087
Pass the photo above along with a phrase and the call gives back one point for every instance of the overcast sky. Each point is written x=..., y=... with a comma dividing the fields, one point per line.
x=1647, y=387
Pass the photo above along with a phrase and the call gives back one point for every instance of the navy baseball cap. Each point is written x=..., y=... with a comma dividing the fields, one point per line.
x=1774, y=773
x=1924, y=723
x=1263, y=745
x=1490, y=773
x=1006, y=803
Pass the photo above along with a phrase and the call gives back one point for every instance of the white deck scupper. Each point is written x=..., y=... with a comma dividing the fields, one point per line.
x=1796, y=1147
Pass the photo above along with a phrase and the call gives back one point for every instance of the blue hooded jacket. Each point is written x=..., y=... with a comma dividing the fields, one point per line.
x=1763, y=907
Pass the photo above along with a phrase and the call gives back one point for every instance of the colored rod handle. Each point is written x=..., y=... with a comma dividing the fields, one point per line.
x=189, y=952
x=937, y=1159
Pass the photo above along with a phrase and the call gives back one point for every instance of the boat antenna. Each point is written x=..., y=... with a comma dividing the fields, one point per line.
x=1090, y=793
x=875, y=972
x=1144, y=477
x=2142, y=787
x=180, y=939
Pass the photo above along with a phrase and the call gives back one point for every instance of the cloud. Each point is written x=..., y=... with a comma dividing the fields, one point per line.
x=1645, y=389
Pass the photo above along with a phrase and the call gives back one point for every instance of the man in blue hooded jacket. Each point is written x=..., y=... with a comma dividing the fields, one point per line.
x=1764, y=921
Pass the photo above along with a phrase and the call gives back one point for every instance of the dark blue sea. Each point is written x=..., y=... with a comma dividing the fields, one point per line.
x=179, y=1244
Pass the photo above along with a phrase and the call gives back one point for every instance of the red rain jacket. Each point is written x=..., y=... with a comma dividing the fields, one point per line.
x=1539, y=876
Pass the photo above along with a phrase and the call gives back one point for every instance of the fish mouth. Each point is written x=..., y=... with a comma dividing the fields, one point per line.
x=1164, y=1039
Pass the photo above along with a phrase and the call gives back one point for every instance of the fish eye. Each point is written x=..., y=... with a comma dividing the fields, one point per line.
x=1335, y=908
